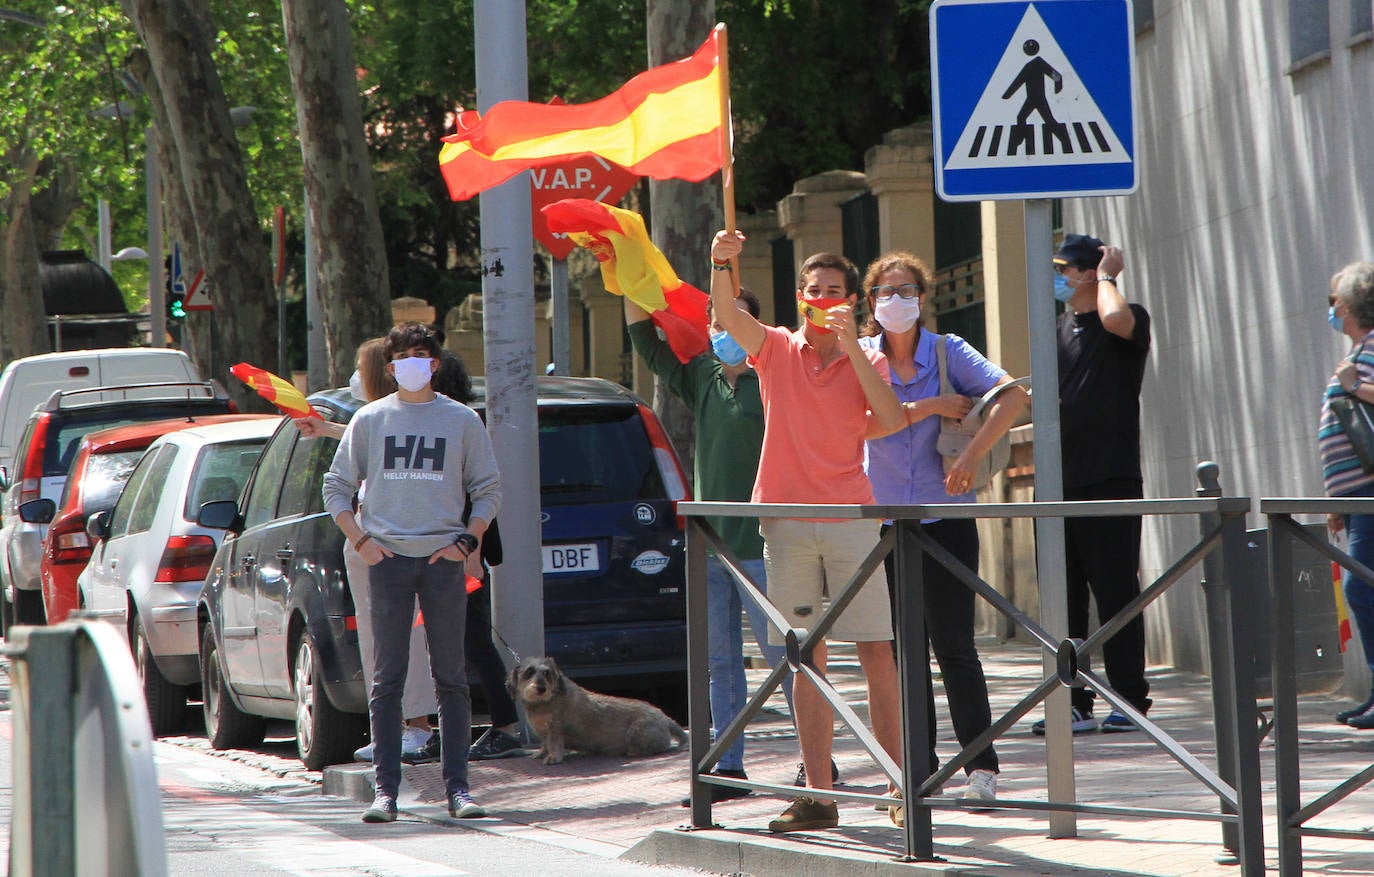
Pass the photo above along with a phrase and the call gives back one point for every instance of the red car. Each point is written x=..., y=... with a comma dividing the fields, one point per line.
x=103, y=462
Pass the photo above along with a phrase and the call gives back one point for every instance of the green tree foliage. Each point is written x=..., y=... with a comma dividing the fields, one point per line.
x=815, y=83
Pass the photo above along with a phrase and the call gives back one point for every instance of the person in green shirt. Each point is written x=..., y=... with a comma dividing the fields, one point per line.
x=723, y=392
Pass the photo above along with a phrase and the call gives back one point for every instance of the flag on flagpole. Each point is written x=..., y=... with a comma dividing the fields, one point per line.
x=279, y=392
x=633, y=267
x=664, y=123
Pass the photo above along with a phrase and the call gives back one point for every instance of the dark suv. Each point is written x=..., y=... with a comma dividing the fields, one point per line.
x=277, y=629
x=45, y=452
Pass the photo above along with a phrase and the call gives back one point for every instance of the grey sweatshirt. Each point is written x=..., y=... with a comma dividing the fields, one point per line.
x=419, y=459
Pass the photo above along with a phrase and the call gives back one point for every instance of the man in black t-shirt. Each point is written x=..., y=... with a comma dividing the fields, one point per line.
x=1103, y=341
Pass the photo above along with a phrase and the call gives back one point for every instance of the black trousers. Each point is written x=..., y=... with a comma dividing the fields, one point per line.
x=949, y=634
x=1103, y=557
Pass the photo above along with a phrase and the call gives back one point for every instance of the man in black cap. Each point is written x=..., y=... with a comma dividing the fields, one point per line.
x=1103, y=342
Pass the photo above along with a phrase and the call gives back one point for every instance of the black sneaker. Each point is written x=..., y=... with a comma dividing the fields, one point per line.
x=801, y=773
x=495, y=743
x=426, y=754
x=724, y=793
x=383, y=809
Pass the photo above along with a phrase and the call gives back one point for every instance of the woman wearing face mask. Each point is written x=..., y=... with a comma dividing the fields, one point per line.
x=1352, y=315
x=906, y=467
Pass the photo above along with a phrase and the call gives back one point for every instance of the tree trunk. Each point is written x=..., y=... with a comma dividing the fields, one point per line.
x=230, y=240
x=683, y=216
x=353, y=285
x=22, y=330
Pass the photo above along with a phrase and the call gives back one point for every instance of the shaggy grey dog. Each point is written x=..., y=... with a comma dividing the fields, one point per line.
x=567, y=716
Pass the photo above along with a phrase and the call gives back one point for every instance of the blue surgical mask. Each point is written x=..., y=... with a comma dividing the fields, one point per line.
x=1337, y=323
x=1063, y=289
x=727, y=349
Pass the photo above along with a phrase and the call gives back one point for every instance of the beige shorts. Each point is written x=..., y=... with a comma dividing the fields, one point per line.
x=807, y=560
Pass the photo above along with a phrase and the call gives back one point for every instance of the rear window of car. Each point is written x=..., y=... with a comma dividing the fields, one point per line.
x=104, y=478
x=68, y=428
x=594, y=454
x=220, y=473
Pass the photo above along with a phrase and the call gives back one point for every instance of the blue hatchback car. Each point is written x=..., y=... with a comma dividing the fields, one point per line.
x=614, y=566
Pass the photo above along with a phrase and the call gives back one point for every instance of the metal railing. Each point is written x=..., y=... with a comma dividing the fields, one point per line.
x=86, y=798
x=1292, y=815
x=1222, y=543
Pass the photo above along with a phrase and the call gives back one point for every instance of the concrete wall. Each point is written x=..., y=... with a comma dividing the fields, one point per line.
x=1256, y=182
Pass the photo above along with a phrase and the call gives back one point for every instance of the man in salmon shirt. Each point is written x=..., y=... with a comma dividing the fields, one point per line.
x=823, y=394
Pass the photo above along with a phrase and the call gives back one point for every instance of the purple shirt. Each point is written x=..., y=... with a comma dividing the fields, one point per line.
x=905, y=467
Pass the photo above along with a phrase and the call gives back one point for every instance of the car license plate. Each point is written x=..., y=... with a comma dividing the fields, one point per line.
x=580, y=557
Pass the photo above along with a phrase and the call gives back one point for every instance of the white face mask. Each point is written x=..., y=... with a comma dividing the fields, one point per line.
x=897, y=314
x=355, y=386
x=412, y=373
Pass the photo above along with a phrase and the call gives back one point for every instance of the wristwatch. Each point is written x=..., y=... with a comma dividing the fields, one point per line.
x=1106, y=278
x=1355, y=387
x=467, y=542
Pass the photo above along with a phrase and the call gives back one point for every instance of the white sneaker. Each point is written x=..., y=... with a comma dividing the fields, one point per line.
x=982, y=786
x=364, y=754
x=413, y=740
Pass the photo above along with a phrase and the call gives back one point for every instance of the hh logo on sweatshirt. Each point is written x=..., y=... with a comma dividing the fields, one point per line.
x=408, y=456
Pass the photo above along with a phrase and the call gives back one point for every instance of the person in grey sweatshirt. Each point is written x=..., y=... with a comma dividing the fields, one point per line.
x=420, y=454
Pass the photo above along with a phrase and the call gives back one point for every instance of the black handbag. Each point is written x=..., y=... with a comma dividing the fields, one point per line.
x=1357, y=421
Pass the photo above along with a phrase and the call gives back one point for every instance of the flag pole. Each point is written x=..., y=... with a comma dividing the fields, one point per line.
x=727, y=167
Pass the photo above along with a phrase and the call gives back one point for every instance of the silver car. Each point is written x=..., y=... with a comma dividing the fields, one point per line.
x=146, y=572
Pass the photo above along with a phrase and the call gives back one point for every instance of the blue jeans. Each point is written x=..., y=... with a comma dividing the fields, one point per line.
x=1359, y=594
x=729, y=689
x=396, y=582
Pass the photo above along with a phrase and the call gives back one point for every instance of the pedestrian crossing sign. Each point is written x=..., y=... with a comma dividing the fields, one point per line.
x=1033, y=98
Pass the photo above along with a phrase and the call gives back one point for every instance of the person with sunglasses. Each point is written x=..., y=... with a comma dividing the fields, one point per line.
x=906, y=467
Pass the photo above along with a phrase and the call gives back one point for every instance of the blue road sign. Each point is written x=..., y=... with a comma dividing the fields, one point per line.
x=1033, y=98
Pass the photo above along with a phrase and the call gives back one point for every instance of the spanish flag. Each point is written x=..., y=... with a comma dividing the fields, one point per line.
x=1342, y=614
x=279, y=392
x=664, y=123
x=633, y=267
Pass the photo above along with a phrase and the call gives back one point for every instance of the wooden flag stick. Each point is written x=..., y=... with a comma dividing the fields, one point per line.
x=727, y=136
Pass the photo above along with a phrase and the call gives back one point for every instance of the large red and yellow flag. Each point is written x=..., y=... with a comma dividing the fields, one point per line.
x=633, y=267
x=664, y=123
x=279, y=392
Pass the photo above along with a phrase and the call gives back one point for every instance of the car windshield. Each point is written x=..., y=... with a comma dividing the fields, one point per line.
x=104, y=478
x=221, y=471
x=595, y=454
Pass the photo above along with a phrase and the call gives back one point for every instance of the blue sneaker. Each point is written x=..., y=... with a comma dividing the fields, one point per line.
x=1116, y=723
x=1082, y=723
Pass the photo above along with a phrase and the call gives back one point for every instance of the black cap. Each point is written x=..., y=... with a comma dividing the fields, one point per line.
x=1079, y=249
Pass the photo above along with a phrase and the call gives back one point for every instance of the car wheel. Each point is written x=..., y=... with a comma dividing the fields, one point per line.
x=226, y=725
x=325, y=735
x=6, y=612
x=166, y=701
x=28, y=607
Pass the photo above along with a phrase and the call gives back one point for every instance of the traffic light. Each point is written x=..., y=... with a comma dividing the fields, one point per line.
x=176, y=292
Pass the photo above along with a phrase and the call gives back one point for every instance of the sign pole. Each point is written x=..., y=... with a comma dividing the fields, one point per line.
x=562, y=331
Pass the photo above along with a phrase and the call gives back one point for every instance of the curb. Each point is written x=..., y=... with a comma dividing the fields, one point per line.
x=725, y=852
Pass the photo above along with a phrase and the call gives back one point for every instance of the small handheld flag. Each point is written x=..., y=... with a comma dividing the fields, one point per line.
x=279, y=392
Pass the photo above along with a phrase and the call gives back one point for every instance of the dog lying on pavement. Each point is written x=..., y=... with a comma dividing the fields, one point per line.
x=567, y=716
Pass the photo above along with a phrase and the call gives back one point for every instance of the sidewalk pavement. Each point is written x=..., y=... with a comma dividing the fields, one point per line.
x=631, y=808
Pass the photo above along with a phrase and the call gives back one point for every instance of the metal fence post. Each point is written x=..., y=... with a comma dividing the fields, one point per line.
x=1218, y=650
x=48, y=663
x=698, y=652
x=1287, y=770
x=914, y=674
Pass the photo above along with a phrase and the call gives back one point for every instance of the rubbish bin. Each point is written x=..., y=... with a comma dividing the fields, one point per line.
x=1318, y=667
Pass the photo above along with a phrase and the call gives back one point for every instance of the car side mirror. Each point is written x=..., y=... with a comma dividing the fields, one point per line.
x=221, y=515
x=38, y=511
x=98, y=526
x=4, y=478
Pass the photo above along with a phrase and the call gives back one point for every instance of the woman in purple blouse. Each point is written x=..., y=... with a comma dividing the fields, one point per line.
x=905, y=467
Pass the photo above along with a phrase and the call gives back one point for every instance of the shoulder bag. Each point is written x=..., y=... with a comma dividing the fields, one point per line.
x=956, y=433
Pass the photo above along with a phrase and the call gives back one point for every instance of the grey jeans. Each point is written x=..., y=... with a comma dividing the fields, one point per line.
x=396, y=583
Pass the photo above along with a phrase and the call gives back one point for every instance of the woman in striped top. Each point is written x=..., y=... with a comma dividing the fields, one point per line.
x=1352, y=314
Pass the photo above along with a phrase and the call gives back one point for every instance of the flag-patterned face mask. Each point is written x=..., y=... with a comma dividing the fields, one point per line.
x=815, y=309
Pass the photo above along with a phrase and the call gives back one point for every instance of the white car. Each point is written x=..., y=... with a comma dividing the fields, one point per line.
x=146, y=571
